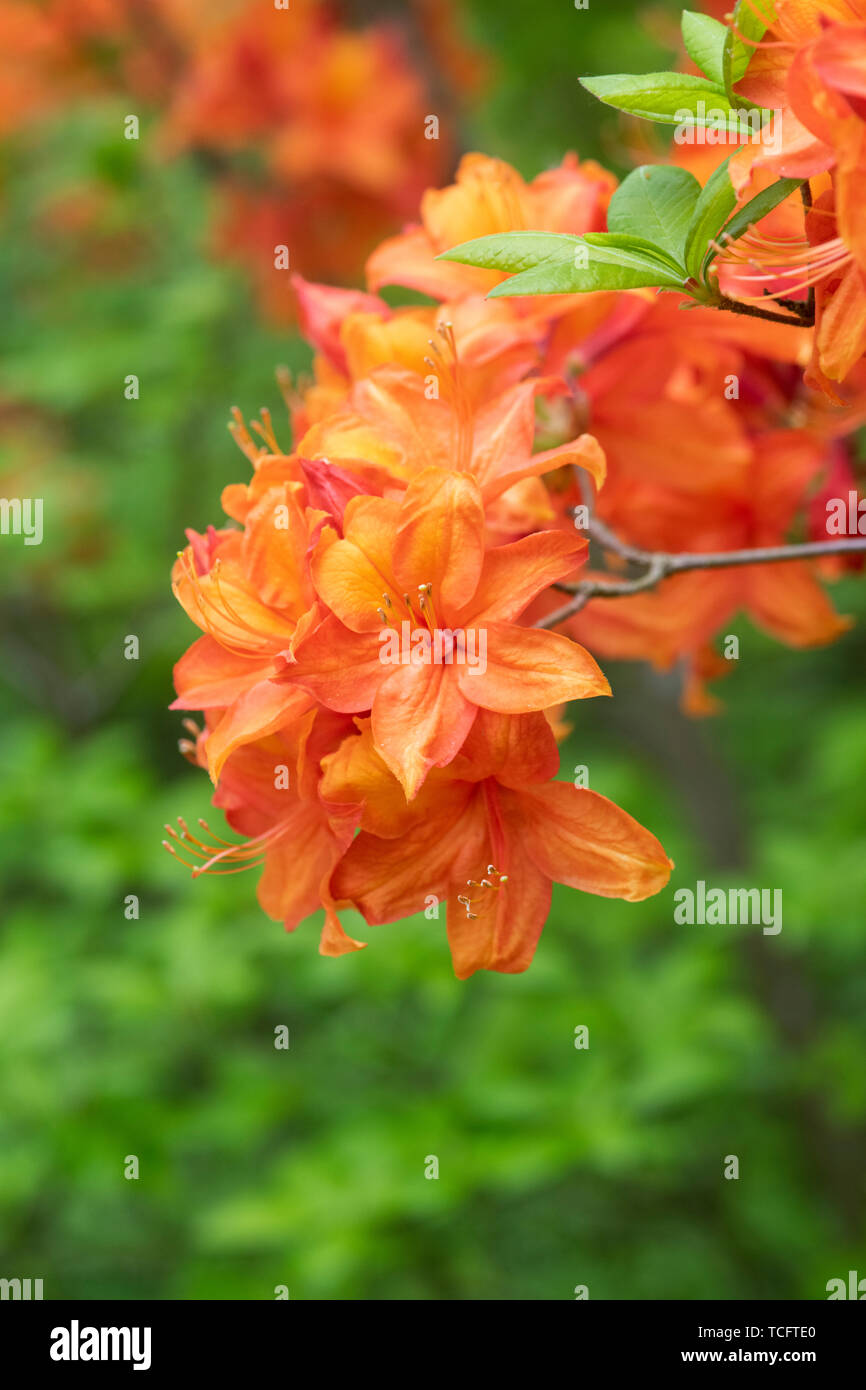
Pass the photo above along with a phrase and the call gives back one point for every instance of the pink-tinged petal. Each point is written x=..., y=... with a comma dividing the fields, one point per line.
x=440, y=538
x=340, y=667
x=579, y=838
x=529, y=669
x=332, y=488
x=209, y=677
x=513, y=575
x=264, y=708
x=322, y=310
x=420, y=720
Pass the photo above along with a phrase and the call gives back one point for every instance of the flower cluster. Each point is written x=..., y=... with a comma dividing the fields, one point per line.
x=315, y=134
x=375, y=698
x=444, y=459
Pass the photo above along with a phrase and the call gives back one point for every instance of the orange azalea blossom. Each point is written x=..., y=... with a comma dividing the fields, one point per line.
x=490, y=196
x=810, y=67
x=269, y=792
x=251, y=594
x=490, y=345
x=391, y=420
x=488, y=835
x=420, y=567
x=677, y=620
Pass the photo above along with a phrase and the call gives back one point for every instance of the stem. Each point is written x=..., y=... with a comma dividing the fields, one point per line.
x=659, y=566
x=733, y=306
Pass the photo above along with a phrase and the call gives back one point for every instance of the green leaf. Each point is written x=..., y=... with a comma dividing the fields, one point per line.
x=668, y=97
x=744, y=21
x=512, y=251
x=606, y=262
x=554, y=263
x=713, y=208
x=656, y=202
x=705, y=39
x=758, y=207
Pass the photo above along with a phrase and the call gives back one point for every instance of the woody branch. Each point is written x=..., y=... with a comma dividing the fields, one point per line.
x=658, y=565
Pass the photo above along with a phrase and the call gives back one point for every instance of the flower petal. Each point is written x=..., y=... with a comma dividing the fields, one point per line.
x=420, y=720
x=514, y=574
x=529, y=669
x=340, y=667
x=353, y=574
x=581, y=839
x=440, y=538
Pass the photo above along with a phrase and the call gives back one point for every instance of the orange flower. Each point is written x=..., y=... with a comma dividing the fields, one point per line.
x=403, y=574
x=487, y=835
x=489, y=196
x=269, y=792
x=810, y=67
x=393, y=419
x=251, y=594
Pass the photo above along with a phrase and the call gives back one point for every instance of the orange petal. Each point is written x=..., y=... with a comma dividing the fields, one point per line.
x=514, y=574
x=530, y=669
x=290, y=886
x=264, y=708
x=391, y=879
x=581, y=839
x=353, y=575
x=334, y=940
x=276, y=539
x=440, y=538
x=514, y=748
x=503, y=932
x=420, y=720
x=789, y=602
x=209, y=677
x=340, y=667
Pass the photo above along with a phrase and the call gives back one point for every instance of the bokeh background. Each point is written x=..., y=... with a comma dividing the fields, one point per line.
x=154, y=1037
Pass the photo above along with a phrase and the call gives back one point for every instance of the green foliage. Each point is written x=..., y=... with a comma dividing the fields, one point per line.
x=549, y=263
x=705, y=38
x=712, y=209
x=656, y=202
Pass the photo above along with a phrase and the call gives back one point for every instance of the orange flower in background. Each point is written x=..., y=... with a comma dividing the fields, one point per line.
x=314, y=134
x=489, y=196
x=488, y=835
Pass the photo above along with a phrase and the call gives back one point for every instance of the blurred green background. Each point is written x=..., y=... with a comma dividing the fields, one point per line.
x=154, y=1037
